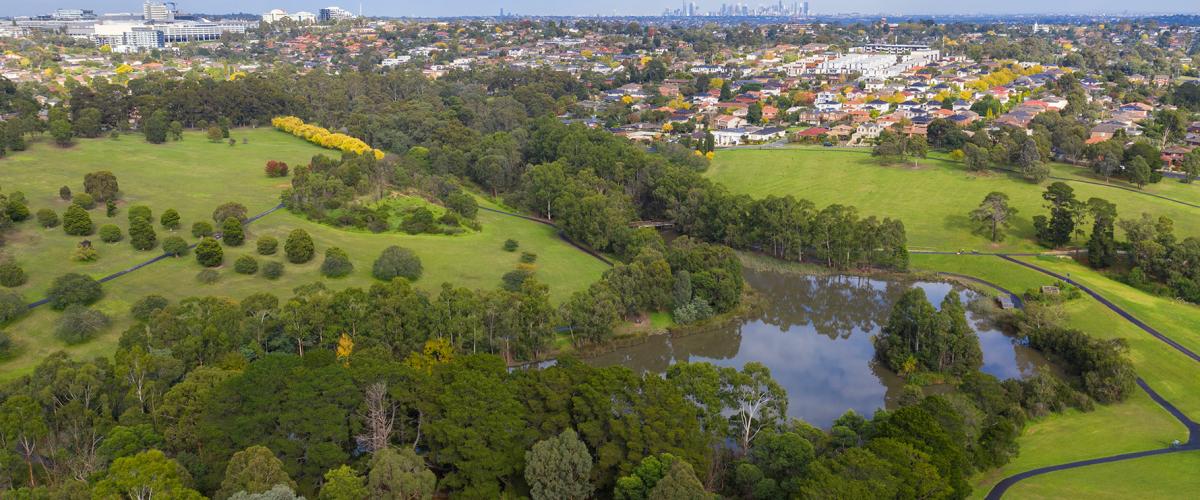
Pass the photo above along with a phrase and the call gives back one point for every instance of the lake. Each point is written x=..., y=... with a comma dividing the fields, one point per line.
x=814, y=333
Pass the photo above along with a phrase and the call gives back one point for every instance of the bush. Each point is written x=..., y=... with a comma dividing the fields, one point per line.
x=267, y=245
x=276, y=169
x=232, y=233
x=6, y=345
x=101, y=185
x=174, y=246
x=79, y=324
x=245, y=264
x=397, y=262
x=141, y=211
x=420, y=220
x=336, y=264
x=227, y=210
x=202, y=229
x=208, y=276
x=528, y=257
x=145, y=307
x=272, y=270
x=209, y=252
x=12, y=275
x=64, y=193
x=16, y=210
x=12, y=306
x=73, y=288
x=170, y=219
x=463, y=204
x=77, y=222
x=298, y=247
x=85, y=252
x=47, y=218
x=110, y=233
x=141, y=234
x=510, y=245
x=84, y=200
x=110, y=208
x=513, y=280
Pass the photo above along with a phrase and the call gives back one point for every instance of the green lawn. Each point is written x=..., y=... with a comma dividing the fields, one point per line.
x=932, y=200
x=183, y=176
x=1161, y=476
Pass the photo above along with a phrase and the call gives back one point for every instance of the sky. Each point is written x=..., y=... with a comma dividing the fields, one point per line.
x=611, y=7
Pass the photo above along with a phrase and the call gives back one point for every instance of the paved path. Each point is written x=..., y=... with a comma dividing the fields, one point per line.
x=1016, y=299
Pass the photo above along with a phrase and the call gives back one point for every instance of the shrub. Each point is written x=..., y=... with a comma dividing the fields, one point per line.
x=140, y=211
x=245, y=264
x=510, y=245
x=77, y=222
x=528, y=257
x=202, y=229
x=101, y=185
x=227, y=210
x=276, y=169
x=110, y=233
x=12, y=275
x=420, y=220
x=73, y=288
x=298, y=247
x=84, y=200
x=209, y=252
x=85, y=252
x=79, y=324
x=64, y=193
x=12, y=306
x=170, y=219
x=337, y=263
x=463, y=204
x=513, y=280
x=174, y=246
x=6, y=345
x=272, y=270
x=16, y=210
x=145, y=307
x=141, y=234
x=396, y=261
x=110, y=208
x=267, y=245
x=208, y=276
x=47, y=218
x=232, y=233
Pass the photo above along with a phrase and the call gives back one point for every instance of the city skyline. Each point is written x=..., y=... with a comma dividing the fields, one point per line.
x=617, y=7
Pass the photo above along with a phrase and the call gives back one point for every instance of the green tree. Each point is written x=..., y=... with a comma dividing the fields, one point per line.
x=400, y=475
x=202, y=229
x=209, y=253
x=343, y=483
x=397, y=262
x=88, y=122
x=232, y=233
x=245, y=264
x=79, y=324
x=73, y=288
x=1102, y=245
x=1191, y=166
x=23, y=429
x=156, y=127
x=169, y=219
x=227, y=210
x=559, y=467
x=1139, y=171
x=214, y=134
x=754, y=113
x=298, y=247
x=77, y=222
x=1064, y=209
x=1029, y=159
x=336, y=264
x=62, y=132
x=266, y=245
x=102, y=185
x=149, y=474
x=141, y=234
x=993, y=215
x=175, y=130
x=253, y=470
x=680, y=483
x=11, y=274
x=174, y=246
x=110, y=233
x=47, y=218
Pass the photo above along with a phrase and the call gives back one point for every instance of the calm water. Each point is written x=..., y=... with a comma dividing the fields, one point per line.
x=814, y=333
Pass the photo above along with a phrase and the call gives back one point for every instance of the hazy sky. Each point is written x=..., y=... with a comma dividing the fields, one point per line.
x=564, y=7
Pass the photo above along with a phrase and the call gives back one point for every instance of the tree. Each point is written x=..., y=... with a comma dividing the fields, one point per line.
x=397, y=262
x=202, y=229
x=47, y=218
x=77, y=222
x=343, y=483
x=1139, y=171
x=11, y=275
x=140, y=211
x=1102, y=245
x=214, y=134
x=23, y=428
x=400, y=475
x=1064, y=208
x=169, y=219
x=73, y=288
x=680, y=483
x=336, y=264
x=754, y=113
x=227, y=210
x=102, y=185
x=156, y=127
x=253, y=470
x=88, y=122
x=175, y=130
x=209, y=252
x=1191, y=166
x=1029, y=159
x=141, y=234
x=79, y=324
x=232, y=233
x=64, y=193
x=145, y=476
x=919, y=338
x=83, y=200
x=62, y=132
x=298, y=247
x=266, y=245
x=559, y=467
x=245, y=264
x=993, y=215
x=110, y=233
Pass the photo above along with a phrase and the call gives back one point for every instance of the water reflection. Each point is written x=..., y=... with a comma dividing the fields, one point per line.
x=814, y=333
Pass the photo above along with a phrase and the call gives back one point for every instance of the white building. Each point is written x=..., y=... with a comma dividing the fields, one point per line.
x=127, y=37
x=158, y=11
x=334, y=14
x=301, y=17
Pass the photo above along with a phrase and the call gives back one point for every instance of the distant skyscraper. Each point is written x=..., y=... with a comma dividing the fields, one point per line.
x=334, y=14
x=158, y=11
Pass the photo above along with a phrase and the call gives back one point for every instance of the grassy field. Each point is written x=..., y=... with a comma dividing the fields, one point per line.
x=194, y=176
x=1162, y=477
x=933, y=200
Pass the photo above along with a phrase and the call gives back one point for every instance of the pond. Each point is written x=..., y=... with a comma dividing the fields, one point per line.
x=814, y=333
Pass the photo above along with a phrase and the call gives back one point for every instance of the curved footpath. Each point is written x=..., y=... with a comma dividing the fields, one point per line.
x=1016, y=299
x=1193, y=443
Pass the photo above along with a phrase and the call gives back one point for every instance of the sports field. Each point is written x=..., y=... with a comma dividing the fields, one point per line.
x=194, y=176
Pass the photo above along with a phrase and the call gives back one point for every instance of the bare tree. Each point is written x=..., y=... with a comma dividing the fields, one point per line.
x=379, y=417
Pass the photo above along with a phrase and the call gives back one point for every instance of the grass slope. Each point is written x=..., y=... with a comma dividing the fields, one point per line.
x=1163, y=476
x=932, y=200
x=194, y=176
